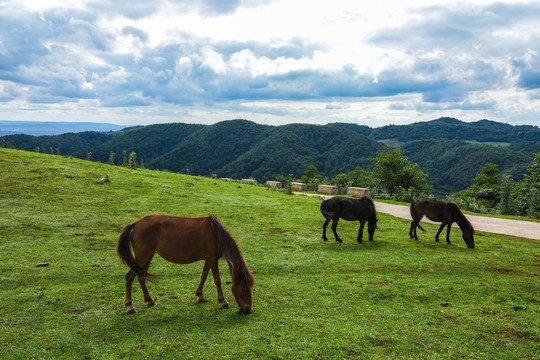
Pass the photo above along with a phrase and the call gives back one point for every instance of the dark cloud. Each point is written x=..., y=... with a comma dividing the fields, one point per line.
x=529, y=79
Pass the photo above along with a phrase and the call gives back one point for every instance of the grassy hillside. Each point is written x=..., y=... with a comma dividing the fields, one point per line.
x=392, y=298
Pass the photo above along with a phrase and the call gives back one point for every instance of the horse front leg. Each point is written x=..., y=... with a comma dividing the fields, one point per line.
x=217, y=280
x=334, y=228
x=204, y=275
x=448, y=233
x=440, y=230
x=130, y=276
x=361, y=232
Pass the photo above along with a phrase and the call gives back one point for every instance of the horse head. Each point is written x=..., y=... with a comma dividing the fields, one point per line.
x=241, y=289
x=468, y=237
x=372, y=226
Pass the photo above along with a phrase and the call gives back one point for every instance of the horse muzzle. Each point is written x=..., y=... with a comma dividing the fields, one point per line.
x=244, y=309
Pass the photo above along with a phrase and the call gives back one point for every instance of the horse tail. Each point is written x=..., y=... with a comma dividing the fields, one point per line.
x=415, y=216
x=325, y=209
x=124, y=252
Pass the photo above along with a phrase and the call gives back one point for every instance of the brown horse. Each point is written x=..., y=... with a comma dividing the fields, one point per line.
x=444, y=212
x=183, y=240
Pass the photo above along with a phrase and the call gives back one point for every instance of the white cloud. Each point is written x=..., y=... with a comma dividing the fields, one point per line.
x=270, y=61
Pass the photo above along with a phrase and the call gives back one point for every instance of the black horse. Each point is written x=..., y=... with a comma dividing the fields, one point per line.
x=444, y=212
x=349, y=209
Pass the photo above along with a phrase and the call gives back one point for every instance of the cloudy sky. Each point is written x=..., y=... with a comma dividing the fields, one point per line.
x=270, y=61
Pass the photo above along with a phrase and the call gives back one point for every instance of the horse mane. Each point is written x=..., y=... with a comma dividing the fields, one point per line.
x=229, y=249
x=371, y=203
x=461, y=219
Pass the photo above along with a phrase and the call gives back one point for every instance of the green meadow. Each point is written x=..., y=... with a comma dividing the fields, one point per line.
x=390, y=298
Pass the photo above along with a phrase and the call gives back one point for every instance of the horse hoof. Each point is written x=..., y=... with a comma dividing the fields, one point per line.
x=131, y=311
x=202, y=300
x=225, y=306
x=152, y=303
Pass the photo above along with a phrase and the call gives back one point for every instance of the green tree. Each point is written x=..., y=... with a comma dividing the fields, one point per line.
x=488, y=176
x=133, y=160
x=402, y=179
x=125, y=163
x=357, y=178
x=507, y=203
x=311, y=178
x=484, y=195
x=111, y=158
x=527, y=192
x=285, y=182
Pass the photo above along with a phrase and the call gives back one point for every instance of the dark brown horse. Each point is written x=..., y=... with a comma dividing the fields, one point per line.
x=444, y=212
x=183, y=240
x=349, y=209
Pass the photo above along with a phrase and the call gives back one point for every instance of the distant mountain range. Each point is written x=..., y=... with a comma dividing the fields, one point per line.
x=37, y=128
x=451, y=151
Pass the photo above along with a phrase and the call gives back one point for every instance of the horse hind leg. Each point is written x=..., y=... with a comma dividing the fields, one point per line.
x=334, y=230
x=325, y=225
x=412, y=231
x=130, y=276
x=204, y=275
x=147, y=298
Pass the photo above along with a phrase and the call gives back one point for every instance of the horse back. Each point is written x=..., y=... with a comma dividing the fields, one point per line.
x=349, y=209
x=434, y=210
x=177, y=239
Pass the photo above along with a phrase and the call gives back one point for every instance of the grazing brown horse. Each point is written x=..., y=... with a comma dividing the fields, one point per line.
x=349, y=209
x=183, y=240
x=444, y=212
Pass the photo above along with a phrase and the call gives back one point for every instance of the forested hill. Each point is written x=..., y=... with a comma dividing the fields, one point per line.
x=452, y=152
x=242, y=149
x=234, y=148
x=450, y=129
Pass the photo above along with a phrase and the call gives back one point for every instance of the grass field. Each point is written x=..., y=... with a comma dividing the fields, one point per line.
x=391, y=298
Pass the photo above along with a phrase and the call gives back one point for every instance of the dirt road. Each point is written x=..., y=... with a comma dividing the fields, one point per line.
x=524, y=229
